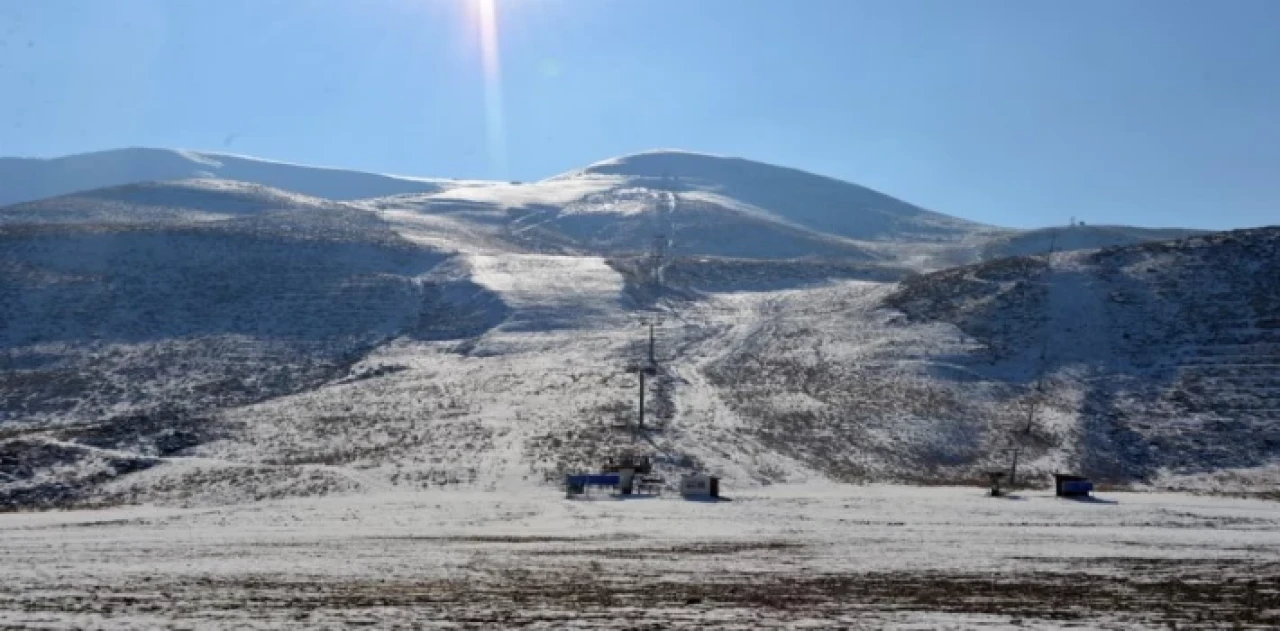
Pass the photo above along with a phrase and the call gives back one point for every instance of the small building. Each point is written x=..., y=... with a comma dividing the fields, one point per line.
x=699, y=486
x=578, y=483
x=1065, y=485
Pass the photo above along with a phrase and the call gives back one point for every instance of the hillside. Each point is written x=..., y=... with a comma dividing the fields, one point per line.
x=117, y=319
x=818, y=203
x=1076, y=237
x=148, y=364
x=127, y=348
x=211, y=341
x=29, y=179
x=703, y=205
x=1136, y=364
x=176, y=201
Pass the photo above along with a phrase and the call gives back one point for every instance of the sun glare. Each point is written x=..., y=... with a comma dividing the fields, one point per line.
x=494, y=126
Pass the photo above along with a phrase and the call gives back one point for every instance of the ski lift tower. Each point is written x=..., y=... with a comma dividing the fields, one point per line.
x=642, y=370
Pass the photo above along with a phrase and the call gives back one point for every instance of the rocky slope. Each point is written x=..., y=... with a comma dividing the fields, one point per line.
x=1076, y=237
x=1134, y=364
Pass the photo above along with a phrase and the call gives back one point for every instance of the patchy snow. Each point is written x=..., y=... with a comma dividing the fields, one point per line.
x=620, y=201
x=1076, y=237
x=821, y=556
x=727, y=207
x=357, y=413
x=533, y=280
x=545, y=193
x=707, y=205
x=209, y=342
x=446, y=233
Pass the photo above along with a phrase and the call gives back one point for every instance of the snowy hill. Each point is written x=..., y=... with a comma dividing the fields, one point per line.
x=249, y=358
x=1151, y=363
x=117, y=319
x=28, y=179
x=160, y=202
x=206, y=340
x=1076, y=237
x=704, y=205
x=606, y=216
x=821, y=204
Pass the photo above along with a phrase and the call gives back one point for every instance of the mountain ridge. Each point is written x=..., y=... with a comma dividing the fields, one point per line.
x=30, y=179
x=823, y=204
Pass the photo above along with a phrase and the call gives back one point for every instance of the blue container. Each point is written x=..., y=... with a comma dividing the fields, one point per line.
x=593, y=479
x=1077, y=488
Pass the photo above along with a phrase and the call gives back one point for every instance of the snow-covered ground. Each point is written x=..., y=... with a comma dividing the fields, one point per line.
x=26, y=179
x=816, y=556
x=228, y=342
x=532, y=281
x=356, y=412
x=180, y=201
x=833, y=381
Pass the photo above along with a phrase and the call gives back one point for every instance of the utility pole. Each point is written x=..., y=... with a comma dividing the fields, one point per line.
x=641, y=424
x=652, y=362
x=641, y=371
x=657, y=252
x=1021, y=437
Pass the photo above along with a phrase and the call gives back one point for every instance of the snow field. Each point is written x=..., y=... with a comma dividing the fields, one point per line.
x=824, y=555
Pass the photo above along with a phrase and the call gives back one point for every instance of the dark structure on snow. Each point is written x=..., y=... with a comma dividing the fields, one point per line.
x=1065, y=485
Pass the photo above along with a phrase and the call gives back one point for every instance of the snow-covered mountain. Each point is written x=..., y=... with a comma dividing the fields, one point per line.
x=698, y=204
x=238, y=359
x=29, y=179
x=208, y=340
x=824, y=205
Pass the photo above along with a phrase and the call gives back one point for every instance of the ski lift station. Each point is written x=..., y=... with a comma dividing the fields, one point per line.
x=630, y=474
x=625, y=474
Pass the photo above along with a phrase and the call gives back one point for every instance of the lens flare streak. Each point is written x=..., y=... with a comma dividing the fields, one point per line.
x=494, y=120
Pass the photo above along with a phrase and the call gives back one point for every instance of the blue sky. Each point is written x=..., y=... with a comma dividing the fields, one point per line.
x=1148, y=112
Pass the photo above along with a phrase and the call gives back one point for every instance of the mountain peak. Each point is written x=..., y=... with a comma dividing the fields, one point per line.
x=816, y=202
x=28, y=179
